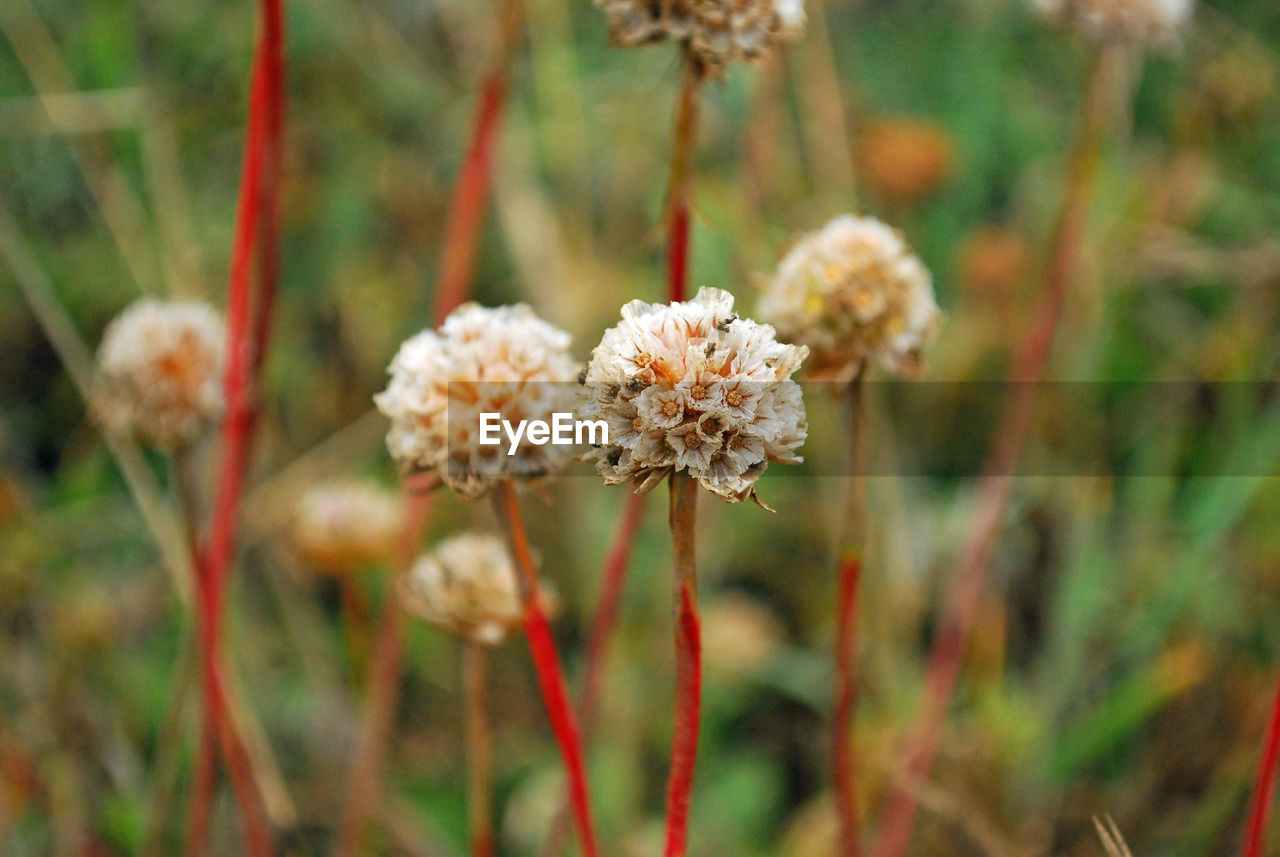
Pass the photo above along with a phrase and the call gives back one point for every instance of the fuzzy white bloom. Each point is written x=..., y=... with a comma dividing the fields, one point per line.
x=505, y=361
x=160, y=371
x=854, y=292
x=1151, y=22
x=718, y=32
x=345, y=525
x=691, y=387
x=468, y=586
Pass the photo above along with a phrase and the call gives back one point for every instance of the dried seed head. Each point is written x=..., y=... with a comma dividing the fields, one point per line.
x=689, y=386
x=1157, y=23
x=505, y=361
x=717, y=32
x=160, y=371
x=905, y=160
x=345, y=526
x=467, y=586
x=854, y=292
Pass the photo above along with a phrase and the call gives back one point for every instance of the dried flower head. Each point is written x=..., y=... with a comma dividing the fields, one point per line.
x=993, y=262
x=717, y=32
x=160, y=371
x=854, y=293
x=904, y=160
x=1150, y=22
x=344, y=526
x=468, y=586
x=691, y=387
x=505, y=361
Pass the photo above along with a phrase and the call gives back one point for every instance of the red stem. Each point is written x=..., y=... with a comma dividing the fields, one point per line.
x=688, y=642
x=466, y=209
x=1265, y=791
x=846, y=682
x=681, y=182
x=975, y=557
x=546, y=662
x=245, y=355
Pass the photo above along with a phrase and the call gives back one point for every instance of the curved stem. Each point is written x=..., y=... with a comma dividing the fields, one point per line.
x=1028, y=369
x=680, y=188
x=1265, y=790
x=475, y=671
x=546, y=662
x=846, y=644
x=616, y=566
x=688, y=641
x=456, y=266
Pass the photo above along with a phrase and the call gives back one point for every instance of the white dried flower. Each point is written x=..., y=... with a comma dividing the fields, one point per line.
x=1150, y=22
x=160, y=371
x=468, y=586
x=505, y=361
x=854, y=292
x=345, y=525
x=691, y=387
x=717, y=32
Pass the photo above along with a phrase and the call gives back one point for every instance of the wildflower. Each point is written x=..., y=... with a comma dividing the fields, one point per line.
x=505, y=361
x=468, y=586
x=993, y=262
x=1149, y=22
x=716, y=32
x=344, y=526
x=701, y=390
x=853, y=292
x=905, y=160
x=159, y=371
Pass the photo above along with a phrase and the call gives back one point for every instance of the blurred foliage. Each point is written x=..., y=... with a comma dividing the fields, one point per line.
x=1127, y=646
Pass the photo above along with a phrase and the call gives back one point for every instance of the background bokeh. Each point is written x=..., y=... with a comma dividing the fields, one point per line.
x=1127, y=647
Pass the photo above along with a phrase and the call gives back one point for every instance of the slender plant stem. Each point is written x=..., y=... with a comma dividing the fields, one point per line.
x=843, y=767
x=617, y=562
x=680, y=187
x=475, y=716
x=546, y=662
x=247, y=339
x=376, y=723
x=688, y=641
x=1264, y=792
x=454, y=276
x=1028, y=369
x=355, y=620
x=456, y=266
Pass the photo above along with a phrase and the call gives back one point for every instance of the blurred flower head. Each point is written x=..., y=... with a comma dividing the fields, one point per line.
x=691, y=387
x=905, y=160
x=467, y=586
x=993, y=263
x=739, y=632
x=344, y=526
x=717, y=32
x=505, y=361
x=160, y=371
x=1157, y=23
x=853, y=292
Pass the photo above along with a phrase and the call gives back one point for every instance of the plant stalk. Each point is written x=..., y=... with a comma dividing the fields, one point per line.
x=1264, y=792
x=546, y=662
x=1025, y=374
x=688, y=643
x=475, y=671
x=680, y=188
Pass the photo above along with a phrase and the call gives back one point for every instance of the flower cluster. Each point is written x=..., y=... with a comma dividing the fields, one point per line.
x=160, y=371
x=717, y=32
x=1151, y=22
x=691, y=387
x=344, y=526
x=854, y=292
x=505, y=361
x=468, y=586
